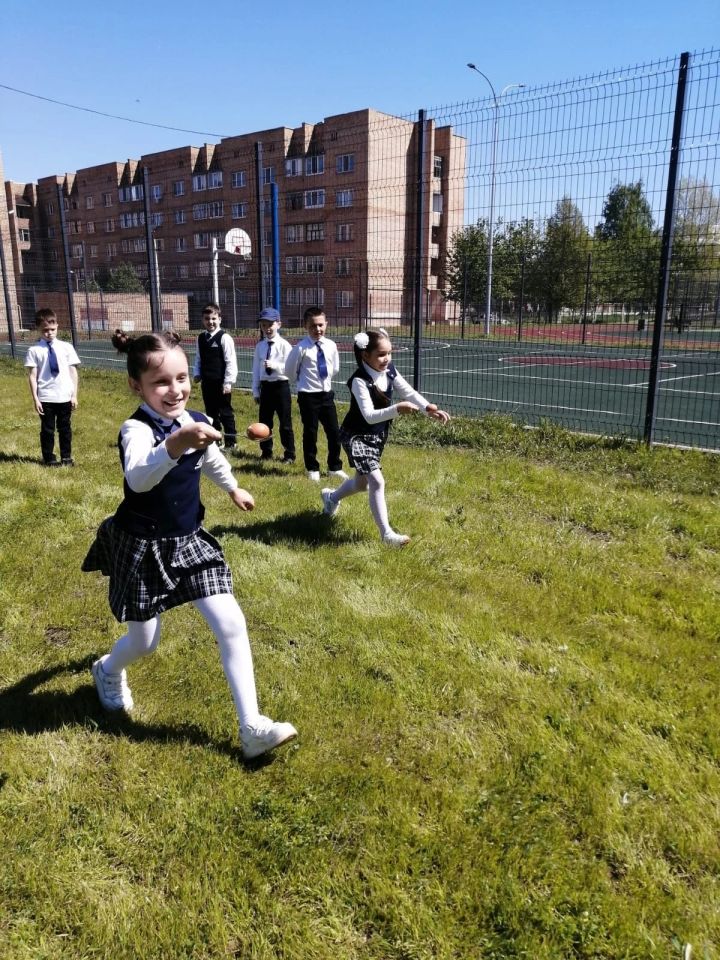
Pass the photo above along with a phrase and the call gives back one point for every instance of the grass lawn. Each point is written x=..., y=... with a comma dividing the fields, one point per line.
x=509, y=742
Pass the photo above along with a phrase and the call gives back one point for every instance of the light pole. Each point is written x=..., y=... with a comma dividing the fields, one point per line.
x=232, y=273
x=496, y=107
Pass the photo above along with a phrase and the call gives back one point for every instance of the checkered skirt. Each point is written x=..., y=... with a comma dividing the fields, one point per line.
x=149, y=576
x=363, y=450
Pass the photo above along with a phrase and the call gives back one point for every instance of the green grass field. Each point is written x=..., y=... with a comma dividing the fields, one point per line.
x=508, y=732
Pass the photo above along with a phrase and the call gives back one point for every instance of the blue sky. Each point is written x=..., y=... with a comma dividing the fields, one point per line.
x=229, y=68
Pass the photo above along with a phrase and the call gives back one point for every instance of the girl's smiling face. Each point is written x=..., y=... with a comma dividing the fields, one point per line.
x=165, y=385
x=380, y=357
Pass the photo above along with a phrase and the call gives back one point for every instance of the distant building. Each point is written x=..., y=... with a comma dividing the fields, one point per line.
x=347, y=201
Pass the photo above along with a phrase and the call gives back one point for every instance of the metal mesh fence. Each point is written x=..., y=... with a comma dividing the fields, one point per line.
x=547, y=253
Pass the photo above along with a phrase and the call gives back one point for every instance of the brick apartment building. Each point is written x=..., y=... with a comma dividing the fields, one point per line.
x=347, y=203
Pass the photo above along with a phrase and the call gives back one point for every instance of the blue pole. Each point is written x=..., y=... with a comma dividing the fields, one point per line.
x=275, y=245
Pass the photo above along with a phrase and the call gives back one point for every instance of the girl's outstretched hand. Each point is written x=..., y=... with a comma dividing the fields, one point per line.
x=192, y=436
x=432, y=411
x=242, y=499
x=405, y=407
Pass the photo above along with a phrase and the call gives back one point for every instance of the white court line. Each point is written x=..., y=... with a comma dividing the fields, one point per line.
x=697, y=423
x=687, y=376
x=590, y=383
x=542, y=406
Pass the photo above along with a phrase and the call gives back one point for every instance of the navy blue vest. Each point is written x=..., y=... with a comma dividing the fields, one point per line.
x=212, y=358
x=172, y=508
x=354, y=421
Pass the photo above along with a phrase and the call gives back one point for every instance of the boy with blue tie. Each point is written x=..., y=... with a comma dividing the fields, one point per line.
x=270, y=387
x=52, y=374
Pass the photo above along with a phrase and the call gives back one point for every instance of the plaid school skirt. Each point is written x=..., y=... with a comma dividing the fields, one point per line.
x=149, y=576
x=363, y=450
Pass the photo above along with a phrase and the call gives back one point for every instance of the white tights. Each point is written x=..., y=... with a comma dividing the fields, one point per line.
x=374, y=483
x=226, y=620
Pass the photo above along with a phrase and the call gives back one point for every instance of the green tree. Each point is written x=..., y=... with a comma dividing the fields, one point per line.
x=627, y=248
x=558, y=276
x=122, y=279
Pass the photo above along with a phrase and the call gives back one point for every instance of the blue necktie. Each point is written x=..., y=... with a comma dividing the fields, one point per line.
x=52, y=360
x=269, y=350
x=321, y=362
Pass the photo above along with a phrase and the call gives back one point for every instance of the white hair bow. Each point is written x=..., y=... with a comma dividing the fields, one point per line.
x=361, y=341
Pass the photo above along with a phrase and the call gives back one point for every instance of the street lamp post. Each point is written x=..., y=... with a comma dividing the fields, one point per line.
x=232, y=274
x=493, y=152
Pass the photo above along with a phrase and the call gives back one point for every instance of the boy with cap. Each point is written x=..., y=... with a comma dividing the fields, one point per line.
x=270, y=387
x=216, y=370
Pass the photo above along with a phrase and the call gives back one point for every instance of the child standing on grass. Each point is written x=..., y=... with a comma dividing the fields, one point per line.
x=270, y=387
x=216, y=370
x=154, y=550
x=52, y=373
x=364, y=430
x=313, y=363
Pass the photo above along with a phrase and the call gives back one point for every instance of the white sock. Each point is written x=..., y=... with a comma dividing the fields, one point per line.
x=142, y=638
x=223, y=615
x=378, y=507
x=348, y=487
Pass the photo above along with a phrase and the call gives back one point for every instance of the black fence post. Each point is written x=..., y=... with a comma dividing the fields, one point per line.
x=587, y=296
x=666, y=249
x=155, y=319
x=464, y=299
x=521, y=299
x=68, y=271
x=8, y=298
x=419, y=241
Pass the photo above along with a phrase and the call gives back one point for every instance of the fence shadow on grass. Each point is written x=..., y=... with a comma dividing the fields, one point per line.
x=18, y=458
x=308, y=527
x=27, y=709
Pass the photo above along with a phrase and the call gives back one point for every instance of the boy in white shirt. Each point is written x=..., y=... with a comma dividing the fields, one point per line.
x=312, y=364
x=52, y=374
x=216, y=370
x=270, y=387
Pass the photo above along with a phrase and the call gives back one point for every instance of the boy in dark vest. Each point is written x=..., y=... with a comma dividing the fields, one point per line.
x=215, y=369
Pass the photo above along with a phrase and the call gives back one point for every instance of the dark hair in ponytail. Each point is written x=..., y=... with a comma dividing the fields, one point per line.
x=374, y=337
x=139, y=350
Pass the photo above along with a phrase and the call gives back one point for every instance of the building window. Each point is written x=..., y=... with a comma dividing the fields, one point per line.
x=315, y=295
x=239, y=211
x=315, y=164
x=315, y=264
x=181, y=271
x=156, y=219
x=293, y=296
x=314, y=198
x=156, y=191
x=342, y=267
x=202, y=269
x=107, y=199
x=159, y=244
x=93, y=251
x=180, y=216
x=76, y=250
x=294, y=201
x=200, y=211
x=179, y=188
x=315, y=231
x=345, y=163
x=24, y=235
x=50, y=208
x=124, y=246
x=180, y=244
x=295, y=233
x=344, y=299
x=134, y=219
x=293, y=167
x=343, y=232
x=90, y=226
x=127, y=194
x=54, y=256
x=199, y=182
x=89, y=202
x=437, y=167
x=343, y=198
x=216, y=209
x=238, y=178
x=110, y=251
x=202, y=240
x=268, y=175
x=109, y=225
x=139, y=245
x=214, y=179
x=75, y=226
x=437, y=203
x=51, y=233
x=294, y=264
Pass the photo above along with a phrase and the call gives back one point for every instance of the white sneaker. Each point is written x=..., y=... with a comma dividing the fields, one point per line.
x=112, y=688
x=340, y=474
x=330, y=506
x=393, y=539
x=264, y=735
x=314, y=475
